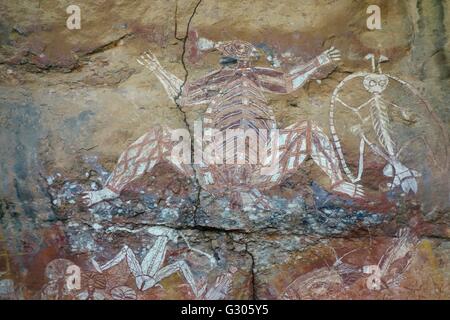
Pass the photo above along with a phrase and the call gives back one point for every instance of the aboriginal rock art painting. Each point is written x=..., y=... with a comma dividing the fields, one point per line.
x=199, y=150
x=150, y=271
x=97, y=286
x=389, y=125
x=126, y=277
x=335, y=279
x=235, y=99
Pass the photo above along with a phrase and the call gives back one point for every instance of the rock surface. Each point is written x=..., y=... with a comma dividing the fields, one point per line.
x=71, y=101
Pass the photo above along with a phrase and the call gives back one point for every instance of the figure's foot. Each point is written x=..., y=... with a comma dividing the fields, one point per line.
x=144, y=282
x=256, y=199
x=201, y=287
x=403, y=177
x=350, y=189
x=90, y=198
x=221, y=287
x=406, y=183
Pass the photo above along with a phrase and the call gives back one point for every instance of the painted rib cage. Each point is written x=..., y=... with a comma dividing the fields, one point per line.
x=238, y=113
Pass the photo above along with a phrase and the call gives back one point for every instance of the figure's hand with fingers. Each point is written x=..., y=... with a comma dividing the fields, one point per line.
x=333, y=54
x=149, y=60
x=330, y=55
x=201, y=287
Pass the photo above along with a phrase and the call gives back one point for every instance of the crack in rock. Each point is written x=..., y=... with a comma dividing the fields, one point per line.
x=186, y=75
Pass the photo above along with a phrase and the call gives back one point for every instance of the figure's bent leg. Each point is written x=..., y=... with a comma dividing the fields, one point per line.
x=254, y=198
x=183, y=267
x=139, y=158
x=143, y=281
x=294, y=146
x=322, y=152
x=221, y=287
x=154, y=258
x=124, y=253
x=403, y=176
x=292, y=151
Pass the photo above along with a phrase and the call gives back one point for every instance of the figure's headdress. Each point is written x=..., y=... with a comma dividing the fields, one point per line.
x=240, y=50
x=237, y=50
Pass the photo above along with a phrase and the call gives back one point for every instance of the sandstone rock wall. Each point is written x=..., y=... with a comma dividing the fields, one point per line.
x=71, y=101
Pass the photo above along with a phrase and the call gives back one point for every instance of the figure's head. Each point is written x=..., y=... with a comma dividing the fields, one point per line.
x=237, y=49
x=231, y=51
x=375, y=83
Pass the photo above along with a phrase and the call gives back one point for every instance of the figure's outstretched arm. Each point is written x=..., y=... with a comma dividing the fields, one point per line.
x=299, y=75
x=183, y=94
x=170, y=82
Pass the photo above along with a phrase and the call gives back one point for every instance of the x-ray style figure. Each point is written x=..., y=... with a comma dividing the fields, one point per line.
x=375, y=127
x=151, y=271
x=335, y=279
x=235, y=98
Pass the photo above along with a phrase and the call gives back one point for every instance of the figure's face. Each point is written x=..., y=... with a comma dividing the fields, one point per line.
x=237, y=49
x=375, y=83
